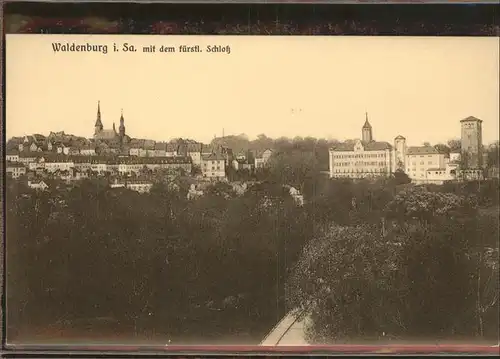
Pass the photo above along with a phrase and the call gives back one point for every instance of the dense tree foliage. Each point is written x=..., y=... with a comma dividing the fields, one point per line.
x=455, y=145
x=318, y=148
x=432, y=274
x=493, y=152
x=382, y=258
x=152, y=260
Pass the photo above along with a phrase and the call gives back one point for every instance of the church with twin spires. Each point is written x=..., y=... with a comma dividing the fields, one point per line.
x=112, y=135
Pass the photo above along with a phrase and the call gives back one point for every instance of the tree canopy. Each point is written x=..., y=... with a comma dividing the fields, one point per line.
x=431, y=275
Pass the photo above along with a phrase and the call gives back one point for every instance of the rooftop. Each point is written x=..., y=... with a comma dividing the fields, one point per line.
x=471, y=119
x=422, y=150
x=367, y=146
x=213, y=157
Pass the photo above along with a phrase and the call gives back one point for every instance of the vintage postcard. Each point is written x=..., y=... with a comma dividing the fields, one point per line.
x=261, y=191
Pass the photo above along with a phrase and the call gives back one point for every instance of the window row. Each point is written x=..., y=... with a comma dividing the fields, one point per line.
x=348, y=164
x=364, y=155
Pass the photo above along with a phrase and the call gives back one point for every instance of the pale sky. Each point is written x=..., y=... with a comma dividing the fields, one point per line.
x=419, y=87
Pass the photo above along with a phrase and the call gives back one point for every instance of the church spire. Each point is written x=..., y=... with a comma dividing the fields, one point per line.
x=122, y=125
x=98, y=123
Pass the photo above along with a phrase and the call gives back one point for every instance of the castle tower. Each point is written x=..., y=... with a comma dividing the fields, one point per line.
x=122, y=126
x=366, y=131
x=400, y=153
x=98, y=123
x=114, y=127
x=472, y=142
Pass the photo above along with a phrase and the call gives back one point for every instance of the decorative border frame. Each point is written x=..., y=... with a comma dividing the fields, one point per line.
x=253, y=19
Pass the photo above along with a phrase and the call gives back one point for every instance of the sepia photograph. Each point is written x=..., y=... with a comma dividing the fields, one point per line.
x=251, y=190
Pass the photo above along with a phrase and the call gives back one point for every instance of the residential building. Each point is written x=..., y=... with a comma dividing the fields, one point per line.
x=83, y=163
x=63, y=149
x=171, y=150
x=194, y=151
x=182, y=148
x=12, y=156
x=98, y=165
x=57, y=163
x=74, y=151
x=148, y=150
x=242, y=164
x=241, y=155
x=15, y=169
x=117, y=184
x=28, y=157
x=160, y=149
x=113, y=166
x=135, y=146
x=127, y=166
x=213, y=166
x=206, y=150
x=38, y=185
x=262, y=158
x=79, y=174
x=65, y=175
x=88, y=150
x=38, y=163
x=139, y=186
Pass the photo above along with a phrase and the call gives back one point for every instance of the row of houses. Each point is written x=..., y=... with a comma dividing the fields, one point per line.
x=143, y=148
x=212, y=162
x=59, y=142
x=212, y=165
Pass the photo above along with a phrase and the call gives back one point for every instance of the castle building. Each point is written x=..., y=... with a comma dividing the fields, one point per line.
x=109, y=134
x=362, y=158
x=423, y=162
x=472, y=142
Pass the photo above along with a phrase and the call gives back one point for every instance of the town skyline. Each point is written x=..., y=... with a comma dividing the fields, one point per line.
x=430, y=92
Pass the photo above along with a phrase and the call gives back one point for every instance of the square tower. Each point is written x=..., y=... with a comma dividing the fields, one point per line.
x=399, y=153
x=472, y=142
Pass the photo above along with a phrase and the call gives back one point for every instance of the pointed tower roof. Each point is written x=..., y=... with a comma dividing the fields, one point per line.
x=121, y=116
x=98, y=121
x=367, y=124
